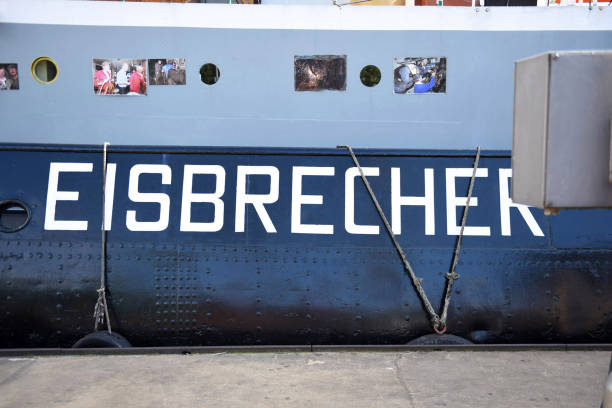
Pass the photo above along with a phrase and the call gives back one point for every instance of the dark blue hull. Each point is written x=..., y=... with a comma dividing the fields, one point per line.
x=308, y=267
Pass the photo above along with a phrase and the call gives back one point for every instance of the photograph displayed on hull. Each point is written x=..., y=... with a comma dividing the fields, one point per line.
x=119, y=76
x=9, y=77
x=167, y=71
x=419, y=75
x=320, y=72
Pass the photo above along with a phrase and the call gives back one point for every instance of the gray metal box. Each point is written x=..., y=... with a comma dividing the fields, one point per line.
x=561, y=143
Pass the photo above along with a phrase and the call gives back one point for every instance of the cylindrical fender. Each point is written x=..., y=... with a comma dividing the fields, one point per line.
x=438, y=340
x=102, y=339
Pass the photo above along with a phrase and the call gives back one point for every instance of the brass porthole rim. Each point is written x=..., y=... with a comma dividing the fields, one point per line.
x=35, y=62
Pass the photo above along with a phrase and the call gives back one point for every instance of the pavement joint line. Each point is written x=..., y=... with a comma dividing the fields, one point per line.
x=401, y=380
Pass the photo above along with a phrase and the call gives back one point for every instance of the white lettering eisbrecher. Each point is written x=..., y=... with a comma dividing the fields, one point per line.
x=244, y=198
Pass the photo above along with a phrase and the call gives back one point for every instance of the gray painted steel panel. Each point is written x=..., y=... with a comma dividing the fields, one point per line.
x=530, y=130
x=254, y=102
x=562, y=130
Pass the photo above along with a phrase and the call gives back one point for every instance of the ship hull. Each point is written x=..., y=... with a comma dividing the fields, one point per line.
x=313, y=265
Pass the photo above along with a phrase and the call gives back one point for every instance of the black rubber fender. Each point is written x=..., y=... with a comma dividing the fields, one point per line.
x=102, y=339
x=438, y=340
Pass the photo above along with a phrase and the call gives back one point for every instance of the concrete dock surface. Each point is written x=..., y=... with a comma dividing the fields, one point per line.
x=309, y=379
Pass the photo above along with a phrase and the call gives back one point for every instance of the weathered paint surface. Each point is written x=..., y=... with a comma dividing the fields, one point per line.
x=306, y=264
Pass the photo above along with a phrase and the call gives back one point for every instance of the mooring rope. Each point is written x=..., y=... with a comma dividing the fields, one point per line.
x=452, y=276
x=438, y=323
x=101, y=308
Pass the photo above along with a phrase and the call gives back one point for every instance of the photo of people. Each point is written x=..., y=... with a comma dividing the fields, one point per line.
x=9, y=76
x=167, y=71
x=419, y=75
x=320, y=72
x=116, y=76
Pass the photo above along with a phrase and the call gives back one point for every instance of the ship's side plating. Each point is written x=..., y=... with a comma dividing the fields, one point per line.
x=222, y=246
x=254, y=102
x=197, y=263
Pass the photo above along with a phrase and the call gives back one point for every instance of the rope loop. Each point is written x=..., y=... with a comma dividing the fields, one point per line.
x=438, y=330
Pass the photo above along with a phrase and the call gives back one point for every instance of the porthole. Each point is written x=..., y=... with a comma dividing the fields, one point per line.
x=209, y=73
x=370, y=75
x=44, y=70
x=14, y=215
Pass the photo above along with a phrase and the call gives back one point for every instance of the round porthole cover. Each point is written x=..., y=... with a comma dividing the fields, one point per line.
x=209, y=73
x=370, y=75
x=14, y=215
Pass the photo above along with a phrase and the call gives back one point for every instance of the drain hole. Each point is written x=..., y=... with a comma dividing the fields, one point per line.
x=14, y=215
